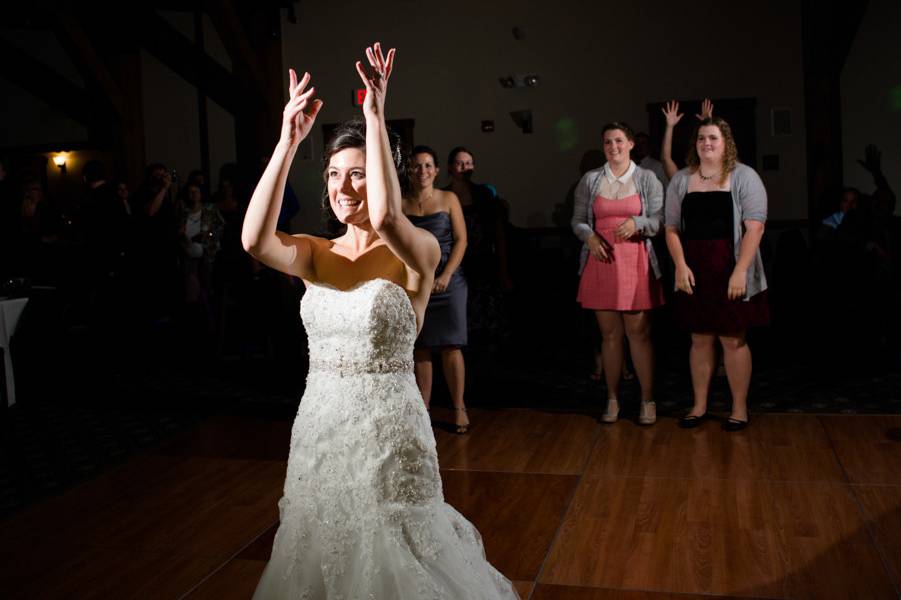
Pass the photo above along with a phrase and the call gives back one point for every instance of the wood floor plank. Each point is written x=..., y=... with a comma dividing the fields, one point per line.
x=237, y=580
x=522, y=441
x=869, y=447
x=261, y=547
x=775, y=447
x=231, y=436
x=882, y=507
x=104, y=573
x=659, y=512
x=517, y=514
x=714, y=536
x=559, y=592
x=524, y=588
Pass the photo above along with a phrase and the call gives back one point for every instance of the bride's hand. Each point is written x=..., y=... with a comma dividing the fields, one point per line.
x=300, y=111
x=375, y=78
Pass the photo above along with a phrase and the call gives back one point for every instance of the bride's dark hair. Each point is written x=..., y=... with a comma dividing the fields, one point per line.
x=352, y=134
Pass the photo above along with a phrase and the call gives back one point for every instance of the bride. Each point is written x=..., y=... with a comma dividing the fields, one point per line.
x=363, y=512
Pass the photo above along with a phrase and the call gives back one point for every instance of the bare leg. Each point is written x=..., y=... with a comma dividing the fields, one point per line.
x=638, y=330
x=455, y=373
x=598, y=366
x=422, y=367
x=611, y=324
x=737, y=359
x=702, y=359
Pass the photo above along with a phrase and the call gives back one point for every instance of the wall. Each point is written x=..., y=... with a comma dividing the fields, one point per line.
x=171, y=119
x=597, y=62
x=871, y=96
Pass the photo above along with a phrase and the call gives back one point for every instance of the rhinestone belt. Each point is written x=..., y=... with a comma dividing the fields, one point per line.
x=345, y=367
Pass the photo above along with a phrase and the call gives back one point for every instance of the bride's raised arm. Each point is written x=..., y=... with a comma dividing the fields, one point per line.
x=276, y=249
x=416, y=247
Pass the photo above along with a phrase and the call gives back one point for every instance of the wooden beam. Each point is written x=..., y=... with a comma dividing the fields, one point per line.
x=47, y=85
x=77, y=44
x=237, y=44
x=181, y=55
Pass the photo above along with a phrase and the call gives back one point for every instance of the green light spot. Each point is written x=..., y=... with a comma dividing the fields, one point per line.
x=895, y=97
x=566, y=133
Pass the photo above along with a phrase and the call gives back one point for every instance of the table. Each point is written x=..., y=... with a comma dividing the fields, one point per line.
x=10, y=311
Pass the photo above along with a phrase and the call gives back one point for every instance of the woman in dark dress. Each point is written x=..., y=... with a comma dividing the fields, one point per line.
x=444, y=327
x=715, y=213
x=485, y=262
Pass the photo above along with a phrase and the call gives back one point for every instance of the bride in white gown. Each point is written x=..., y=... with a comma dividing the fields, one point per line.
x=363, y=513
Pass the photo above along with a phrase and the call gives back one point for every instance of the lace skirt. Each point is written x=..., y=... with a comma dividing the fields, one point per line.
x=363, y=513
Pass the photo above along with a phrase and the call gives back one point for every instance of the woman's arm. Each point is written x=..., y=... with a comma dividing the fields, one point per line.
x=417, y=248
x=156, y=203
x=753, y=202
x=685, y=279
x=458, y=224
x=283, y=252
x=671, y=112
x=750, y=242
x=649, y=225
x=597, y=246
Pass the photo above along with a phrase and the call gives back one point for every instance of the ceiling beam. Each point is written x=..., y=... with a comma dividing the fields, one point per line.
x=46, y=85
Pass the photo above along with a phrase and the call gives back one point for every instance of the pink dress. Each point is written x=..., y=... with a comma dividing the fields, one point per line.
x=627, y=282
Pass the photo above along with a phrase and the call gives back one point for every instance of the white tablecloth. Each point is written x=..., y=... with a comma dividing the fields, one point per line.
x=10, y=311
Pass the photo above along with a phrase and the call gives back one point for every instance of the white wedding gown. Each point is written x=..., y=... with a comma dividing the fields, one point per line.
x=363, y=513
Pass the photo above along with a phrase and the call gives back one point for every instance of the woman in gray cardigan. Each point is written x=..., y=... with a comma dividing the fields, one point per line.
x=715, y=214
x=618, y=208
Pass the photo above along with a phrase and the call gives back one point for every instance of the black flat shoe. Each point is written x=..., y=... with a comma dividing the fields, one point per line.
x=735, y=425
x=692, y=421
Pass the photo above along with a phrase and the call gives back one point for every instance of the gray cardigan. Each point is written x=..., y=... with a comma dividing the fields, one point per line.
x=648, y=222
x=749, y=203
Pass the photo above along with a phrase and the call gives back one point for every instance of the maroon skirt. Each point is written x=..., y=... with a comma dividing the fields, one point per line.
x=708, y=309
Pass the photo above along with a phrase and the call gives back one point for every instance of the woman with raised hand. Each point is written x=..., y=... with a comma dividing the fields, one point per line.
x=673, y=116
x=363, y=513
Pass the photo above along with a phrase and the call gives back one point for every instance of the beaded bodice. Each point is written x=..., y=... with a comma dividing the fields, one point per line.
x=367, y=329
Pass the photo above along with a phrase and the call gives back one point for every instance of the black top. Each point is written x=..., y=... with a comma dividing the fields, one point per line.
x=707, y=216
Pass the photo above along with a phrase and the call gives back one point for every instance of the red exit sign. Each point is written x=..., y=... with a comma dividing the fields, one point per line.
x=359, y=95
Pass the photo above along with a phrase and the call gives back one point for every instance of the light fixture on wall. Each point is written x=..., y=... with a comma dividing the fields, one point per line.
x=519, y=81
x=60, y=161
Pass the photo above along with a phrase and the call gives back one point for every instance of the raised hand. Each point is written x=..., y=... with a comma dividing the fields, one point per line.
x=872, y=160
x=706, y=110
x=671, y=112
x=301, y=110
x=375, y=78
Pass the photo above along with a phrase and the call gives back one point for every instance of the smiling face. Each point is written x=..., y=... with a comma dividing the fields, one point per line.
x=423, y=170
x=710, y=144
x=345, y=179
x=617, y=146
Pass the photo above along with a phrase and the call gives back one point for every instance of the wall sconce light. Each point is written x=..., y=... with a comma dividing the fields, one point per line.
x=60, y=161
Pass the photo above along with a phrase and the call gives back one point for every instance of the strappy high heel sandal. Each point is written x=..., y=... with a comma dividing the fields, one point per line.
x=462, y=429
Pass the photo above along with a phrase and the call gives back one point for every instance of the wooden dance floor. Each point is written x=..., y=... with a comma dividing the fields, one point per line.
x=796, y=506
